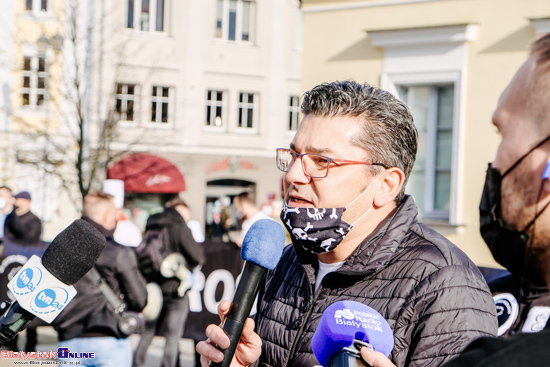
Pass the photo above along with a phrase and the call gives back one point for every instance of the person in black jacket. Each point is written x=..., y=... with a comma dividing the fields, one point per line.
x=356, y=236
x=89, y=322
x=23, y=229
x=22, y=236
x=514, y=213
x=175, y=309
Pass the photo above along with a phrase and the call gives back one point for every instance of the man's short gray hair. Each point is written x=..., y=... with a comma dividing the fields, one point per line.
x=388, y=135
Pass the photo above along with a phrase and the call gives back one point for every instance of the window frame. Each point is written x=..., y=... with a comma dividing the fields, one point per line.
x=294, y=114
x=225, y=17
x=34, y=75
x=159, y=99
x=36, y=7
x=431, y=168
x=135, y=120
x=212, y=105
x=245, y=106
x=137, y=20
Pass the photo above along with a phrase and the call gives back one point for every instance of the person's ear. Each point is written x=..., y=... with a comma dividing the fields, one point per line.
x=391, y=181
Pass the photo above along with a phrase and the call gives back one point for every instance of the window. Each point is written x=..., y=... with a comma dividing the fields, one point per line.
x=159, y=107
x=432, y=107
x=215, y=108
x=235, y=20
x=36, y=5
x=247, y=110
x=146, y=15
x=294, y=110
x=125, y=99
x=35, y=81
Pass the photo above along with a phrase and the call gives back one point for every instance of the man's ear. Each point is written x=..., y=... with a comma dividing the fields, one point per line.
x=391, y=181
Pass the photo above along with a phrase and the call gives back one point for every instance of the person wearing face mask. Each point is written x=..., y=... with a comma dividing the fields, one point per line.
x=248, y=213
x=514, y=212
x=89, y=323
x=355, y=236
x=23, y=229
x=22, y=237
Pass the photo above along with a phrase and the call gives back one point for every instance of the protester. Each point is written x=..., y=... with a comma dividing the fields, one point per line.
x=89, y=322
x=127, y=233
x=23, y=229
x=348, y=163
x=193, y=224
x=6, y=207
x=175, y=309
x=247, y=212
x=513, y=209
x=22, y=236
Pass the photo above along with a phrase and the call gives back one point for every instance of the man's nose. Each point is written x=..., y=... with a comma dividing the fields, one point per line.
x=296, y=172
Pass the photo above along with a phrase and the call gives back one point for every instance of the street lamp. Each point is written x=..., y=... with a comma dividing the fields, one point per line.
x=42, y=43
x=56, y=42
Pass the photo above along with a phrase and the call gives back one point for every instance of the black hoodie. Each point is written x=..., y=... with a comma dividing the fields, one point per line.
x=180, y=240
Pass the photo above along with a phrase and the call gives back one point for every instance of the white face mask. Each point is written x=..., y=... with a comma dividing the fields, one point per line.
x=319, y=230
x=2, y=203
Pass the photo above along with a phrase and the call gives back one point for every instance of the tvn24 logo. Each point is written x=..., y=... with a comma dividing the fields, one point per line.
x=46, y=300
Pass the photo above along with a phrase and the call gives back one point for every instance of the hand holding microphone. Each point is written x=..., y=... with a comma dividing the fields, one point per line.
x=345, y=328
x=262, y=249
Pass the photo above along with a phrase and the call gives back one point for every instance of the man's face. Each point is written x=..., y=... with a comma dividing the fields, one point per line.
x=514, y=120
x=24, y=205
x=329, y=137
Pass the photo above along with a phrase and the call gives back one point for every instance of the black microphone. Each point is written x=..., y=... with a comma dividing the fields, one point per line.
x=69, y=256
x=262, y=250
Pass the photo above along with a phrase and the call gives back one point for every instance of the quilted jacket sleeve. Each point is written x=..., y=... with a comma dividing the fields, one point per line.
x=447, y=310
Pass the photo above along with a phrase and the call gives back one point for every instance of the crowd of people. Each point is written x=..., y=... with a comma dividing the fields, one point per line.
x=355, y=236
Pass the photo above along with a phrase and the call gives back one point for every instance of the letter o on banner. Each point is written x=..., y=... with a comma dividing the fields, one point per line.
x=209, y=292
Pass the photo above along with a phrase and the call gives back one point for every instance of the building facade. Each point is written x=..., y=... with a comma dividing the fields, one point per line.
x=210, y=86
x=449, y=61
x=207, y=89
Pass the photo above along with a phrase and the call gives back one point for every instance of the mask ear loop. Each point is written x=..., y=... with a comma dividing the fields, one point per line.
x=524, y=156
x=545, y=176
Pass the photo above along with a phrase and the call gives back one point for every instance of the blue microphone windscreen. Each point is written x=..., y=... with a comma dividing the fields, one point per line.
x=344, y=321
x=263, y=244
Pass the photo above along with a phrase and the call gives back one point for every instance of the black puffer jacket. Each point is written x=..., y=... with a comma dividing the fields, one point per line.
x=89, y=313
x=434, y=298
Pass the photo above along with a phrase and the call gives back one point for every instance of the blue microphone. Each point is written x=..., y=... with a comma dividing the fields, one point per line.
x=262, y=249
x=345, y=327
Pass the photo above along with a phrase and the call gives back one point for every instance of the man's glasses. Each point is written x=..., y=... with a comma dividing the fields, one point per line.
x=313, y=165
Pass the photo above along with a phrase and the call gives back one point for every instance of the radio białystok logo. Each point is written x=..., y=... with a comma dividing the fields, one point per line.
x=49, y=300
x=27, y=281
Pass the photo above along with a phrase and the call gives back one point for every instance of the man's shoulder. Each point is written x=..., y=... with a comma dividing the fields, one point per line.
x=427, y=243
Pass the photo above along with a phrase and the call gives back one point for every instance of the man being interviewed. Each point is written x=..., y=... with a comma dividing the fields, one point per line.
x=355, y=236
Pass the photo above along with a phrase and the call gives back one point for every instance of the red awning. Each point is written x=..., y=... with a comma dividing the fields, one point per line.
x=147, y=173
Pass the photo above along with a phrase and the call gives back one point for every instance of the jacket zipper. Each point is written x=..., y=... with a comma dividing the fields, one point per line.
x=304, y=319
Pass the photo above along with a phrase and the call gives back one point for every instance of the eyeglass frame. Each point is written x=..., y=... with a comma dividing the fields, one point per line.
x=296, y=155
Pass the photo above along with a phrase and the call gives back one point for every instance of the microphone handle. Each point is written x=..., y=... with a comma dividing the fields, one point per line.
x=13, y=321
x=244, y=299
x=347, y=358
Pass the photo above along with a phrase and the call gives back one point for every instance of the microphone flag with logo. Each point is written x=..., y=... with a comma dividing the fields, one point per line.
x=345, y=322
x=43, y=287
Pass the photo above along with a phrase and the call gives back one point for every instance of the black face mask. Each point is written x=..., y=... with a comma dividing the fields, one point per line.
x=508, y=246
